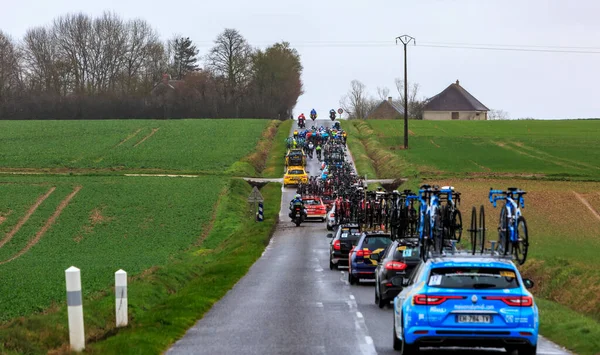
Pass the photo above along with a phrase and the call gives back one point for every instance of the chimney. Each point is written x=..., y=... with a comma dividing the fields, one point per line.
x=166, y=79
x=390, y=99
x=457, y=83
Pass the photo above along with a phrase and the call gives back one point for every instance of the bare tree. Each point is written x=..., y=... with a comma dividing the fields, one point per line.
x=356, y=102
x=415, y=105
x=10, y=79
x=231, y=58
x=383, y=93
x=498, y=115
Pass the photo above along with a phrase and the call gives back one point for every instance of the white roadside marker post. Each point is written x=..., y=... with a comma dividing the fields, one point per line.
x=75, y=309
x=121, y=298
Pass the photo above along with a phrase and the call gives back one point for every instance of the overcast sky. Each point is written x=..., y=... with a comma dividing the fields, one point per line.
x=341, y=40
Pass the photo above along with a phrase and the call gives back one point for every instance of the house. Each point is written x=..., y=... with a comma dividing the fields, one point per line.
x=166, y=86
x=387, y=109
x=454, y=103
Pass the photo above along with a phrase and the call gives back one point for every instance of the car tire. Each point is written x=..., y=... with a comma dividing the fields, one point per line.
x=332, y=266
x=329, y=228
x=381, y=302
x=527, y=350
x=397, y=342
x=351, y=279
x=401, y=346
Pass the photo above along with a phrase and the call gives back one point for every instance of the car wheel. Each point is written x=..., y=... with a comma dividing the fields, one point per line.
x=402, y=346
x=527, y=350
x=381, y=302
x=332, y=265
x=351, y=279
x=329, y=228
x=397, y=342
x=376, y=295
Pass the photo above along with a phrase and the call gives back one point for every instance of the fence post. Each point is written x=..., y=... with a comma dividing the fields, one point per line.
x=75, y=309
x=121, y=298
x=261, y=216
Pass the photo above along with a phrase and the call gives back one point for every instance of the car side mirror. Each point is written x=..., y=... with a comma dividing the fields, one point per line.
x=405, y=282
x=528, y=283
x=308, y=172
x=329, y=235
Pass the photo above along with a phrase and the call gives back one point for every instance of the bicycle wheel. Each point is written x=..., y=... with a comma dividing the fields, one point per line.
x=473, y=230
x=456, y=223
x=424, y=242
x=521, y=246
x=482, y=228
x=439, y=231
x=503, y=233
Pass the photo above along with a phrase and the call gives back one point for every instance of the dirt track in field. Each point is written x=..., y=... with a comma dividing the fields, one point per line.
x=129, y=137
x=154, y=130
x=25, y=218
x=64, y=203
x=587, y=204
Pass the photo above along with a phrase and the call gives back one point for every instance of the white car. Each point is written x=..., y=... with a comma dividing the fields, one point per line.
x=331, y=218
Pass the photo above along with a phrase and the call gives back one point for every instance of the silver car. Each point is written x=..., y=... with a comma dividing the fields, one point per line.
x=331, y=218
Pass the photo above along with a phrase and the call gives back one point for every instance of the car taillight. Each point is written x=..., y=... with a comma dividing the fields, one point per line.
x=363, y=253
x=337, y=245
x=516, y=301
x=332, y=215
x=395, y=265
x=430, y=300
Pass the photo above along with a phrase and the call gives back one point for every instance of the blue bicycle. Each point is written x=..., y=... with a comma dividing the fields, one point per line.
x=430, y=219
x=513, y=235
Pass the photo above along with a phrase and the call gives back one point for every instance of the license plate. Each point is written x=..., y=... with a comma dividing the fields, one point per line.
x=473, y=318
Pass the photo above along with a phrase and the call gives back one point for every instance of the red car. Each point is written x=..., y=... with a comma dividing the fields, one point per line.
x=315, y=207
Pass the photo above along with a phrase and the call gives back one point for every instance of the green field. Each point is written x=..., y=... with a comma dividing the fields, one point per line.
x=565, y=149
x=557, y=162
x=178, y=145
x=131, y=223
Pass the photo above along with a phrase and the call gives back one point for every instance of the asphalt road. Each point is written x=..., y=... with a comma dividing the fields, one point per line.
x=291, y=303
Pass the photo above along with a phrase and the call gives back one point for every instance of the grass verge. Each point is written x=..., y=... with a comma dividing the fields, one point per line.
x=577, y=332
x=364, y=164
x=275, y=160
x=163, y=301
x=254, y=163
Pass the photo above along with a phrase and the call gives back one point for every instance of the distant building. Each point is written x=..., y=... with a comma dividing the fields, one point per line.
x=166, y=86
x=454, y=103
x=387, y=109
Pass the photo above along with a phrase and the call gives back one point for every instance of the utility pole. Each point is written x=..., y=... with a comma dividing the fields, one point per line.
x=405, y=39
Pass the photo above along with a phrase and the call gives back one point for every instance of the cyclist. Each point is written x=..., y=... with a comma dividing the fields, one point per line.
x=318, y=149
x=295, y=134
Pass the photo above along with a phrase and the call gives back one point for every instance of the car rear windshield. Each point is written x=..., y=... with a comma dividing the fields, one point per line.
x=296, y=172
x=353, y=233
x=406, y=252
x=376, y=241
x=473, y=278
x=312, y=202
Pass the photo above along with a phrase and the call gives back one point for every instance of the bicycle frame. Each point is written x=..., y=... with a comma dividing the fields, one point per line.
x=513, y=210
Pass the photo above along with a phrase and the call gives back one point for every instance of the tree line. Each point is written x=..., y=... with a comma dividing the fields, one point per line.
x=83, y=67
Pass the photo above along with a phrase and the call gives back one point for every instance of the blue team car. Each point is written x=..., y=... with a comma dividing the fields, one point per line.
x=466, y=301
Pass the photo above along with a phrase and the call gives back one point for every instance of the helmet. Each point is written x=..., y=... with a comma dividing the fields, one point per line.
x=297, y=196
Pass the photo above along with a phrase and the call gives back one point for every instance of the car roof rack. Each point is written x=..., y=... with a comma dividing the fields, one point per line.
x=491, y=253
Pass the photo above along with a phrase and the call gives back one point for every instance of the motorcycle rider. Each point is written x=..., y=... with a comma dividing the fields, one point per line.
x=332, y=114
x=297, y=201
x=301, y=120
x=313, y=114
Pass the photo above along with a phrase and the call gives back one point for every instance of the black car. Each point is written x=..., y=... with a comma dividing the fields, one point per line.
x=345, y=238
x=397, y=262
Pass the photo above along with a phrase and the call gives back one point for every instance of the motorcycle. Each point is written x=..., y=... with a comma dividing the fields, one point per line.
x=332, y=115
x=313, y=116
x=301, y=123
x=297, y=215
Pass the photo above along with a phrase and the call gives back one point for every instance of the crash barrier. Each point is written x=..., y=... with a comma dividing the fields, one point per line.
x=75, y=305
